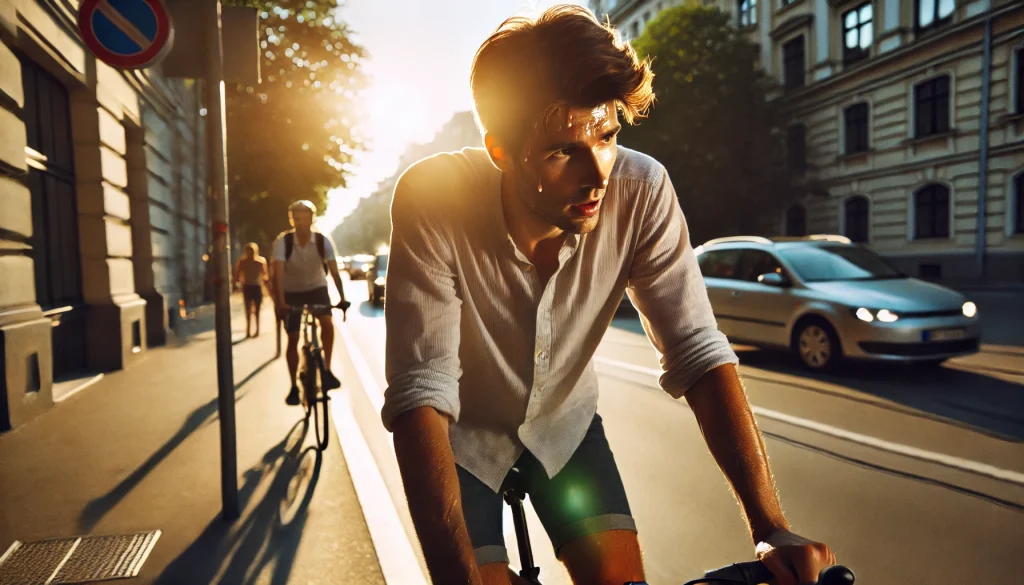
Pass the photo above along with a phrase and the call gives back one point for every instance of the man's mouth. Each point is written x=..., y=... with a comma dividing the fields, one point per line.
x=588, y=209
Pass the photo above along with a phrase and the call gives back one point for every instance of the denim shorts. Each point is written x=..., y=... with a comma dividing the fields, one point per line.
x=585, y=497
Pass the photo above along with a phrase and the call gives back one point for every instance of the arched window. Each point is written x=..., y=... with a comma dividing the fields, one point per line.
x=796, y=221
x=857, y=214
x=931, y=212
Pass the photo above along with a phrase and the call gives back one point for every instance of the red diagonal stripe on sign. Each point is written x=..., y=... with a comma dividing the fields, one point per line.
x=124, y=24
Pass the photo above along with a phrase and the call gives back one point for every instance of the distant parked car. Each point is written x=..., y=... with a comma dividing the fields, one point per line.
x=360, y=265
x=376, y=279
x=827, y=299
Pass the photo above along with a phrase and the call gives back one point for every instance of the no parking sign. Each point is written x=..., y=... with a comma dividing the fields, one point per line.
x=127, y=34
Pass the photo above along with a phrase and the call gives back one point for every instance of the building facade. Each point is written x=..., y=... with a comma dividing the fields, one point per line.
x=102, y=208
x=910, y=115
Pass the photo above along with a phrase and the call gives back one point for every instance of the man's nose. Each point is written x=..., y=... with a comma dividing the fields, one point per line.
x=597, y=171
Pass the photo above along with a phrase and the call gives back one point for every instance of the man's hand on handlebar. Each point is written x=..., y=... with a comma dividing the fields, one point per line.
x=793, y=559
x=343, y=305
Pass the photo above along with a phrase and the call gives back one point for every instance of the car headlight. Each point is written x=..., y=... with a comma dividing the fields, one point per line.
x=366, y=267
x=970, y=309
x=883, y=315
x=380, y=281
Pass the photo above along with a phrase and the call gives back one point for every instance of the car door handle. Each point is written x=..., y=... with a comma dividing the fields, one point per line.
x=737, y=293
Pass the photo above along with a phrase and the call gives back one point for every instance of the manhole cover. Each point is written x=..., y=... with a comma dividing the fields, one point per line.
x=81, y=559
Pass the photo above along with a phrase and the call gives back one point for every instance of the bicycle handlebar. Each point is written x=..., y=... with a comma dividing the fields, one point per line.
x=755, y=572
x=343, y=306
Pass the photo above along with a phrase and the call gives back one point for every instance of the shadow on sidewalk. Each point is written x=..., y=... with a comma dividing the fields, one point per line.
x=267, y=536
x=96, y=509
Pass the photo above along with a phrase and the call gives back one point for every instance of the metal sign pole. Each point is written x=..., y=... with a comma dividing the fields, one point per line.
x=215, y=136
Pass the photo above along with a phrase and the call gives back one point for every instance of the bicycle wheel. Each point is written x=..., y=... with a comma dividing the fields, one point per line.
x=322, y=422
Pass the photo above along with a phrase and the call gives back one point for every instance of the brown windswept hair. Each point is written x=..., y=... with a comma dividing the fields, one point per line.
x=528, y=67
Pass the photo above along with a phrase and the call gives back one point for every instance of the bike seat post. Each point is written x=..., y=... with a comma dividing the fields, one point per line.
x=514, y=495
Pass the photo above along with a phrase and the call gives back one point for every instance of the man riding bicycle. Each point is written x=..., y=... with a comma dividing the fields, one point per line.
x=302, y=258
x=507, y=266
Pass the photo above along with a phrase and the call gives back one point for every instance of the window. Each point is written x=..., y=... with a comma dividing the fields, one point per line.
x=931, y=107
x=635, y=30
x=855, y=128
x=647, y=17
x=1019, y=54
x=720, y=263
x=796, y=150
x=1018, y=194
x=931, y=212
x=933, y=13
x=857, y=218
x=793, y=63
x=833, y=262
x=796, y=221
x=55, y=247
x=858, y=33
x=787, y=2
x=748, y=12
x=754, y=263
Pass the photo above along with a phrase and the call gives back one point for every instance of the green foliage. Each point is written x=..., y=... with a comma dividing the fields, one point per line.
x=290, y=137
x=713, y=126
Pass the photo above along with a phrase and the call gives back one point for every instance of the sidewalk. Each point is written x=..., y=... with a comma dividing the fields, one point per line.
x=140, y=450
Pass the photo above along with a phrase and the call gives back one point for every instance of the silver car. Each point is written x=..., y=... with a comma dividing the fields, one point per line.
x=827, y=299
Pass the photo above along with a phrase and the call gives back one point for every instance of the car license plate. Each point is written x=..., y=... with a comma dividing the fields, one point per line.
x=943, y=334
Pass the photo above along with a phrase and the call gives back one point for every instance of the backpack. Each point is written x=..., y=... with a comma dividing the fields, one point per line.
x=289, y=243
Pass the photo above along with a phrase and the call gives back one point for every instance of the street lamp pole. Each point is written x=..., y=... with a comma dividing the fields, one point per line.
x=215, y=136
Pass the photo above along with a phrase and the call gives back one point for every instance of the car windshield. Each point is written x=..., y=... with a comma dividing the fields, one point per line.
x=382, y=263
x=838, y=262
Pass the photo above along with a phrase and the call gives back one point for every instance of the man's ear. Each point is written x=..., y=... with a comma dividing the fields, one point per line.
x=499, y=155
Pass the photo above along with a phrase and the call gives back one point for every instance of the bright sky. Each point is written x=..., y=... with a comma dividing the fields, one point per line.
x=420, y=55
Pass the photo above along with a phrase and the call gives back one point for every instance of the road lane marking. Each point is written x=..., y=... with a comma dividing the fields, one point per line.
x=394, y=547
x=898, y=448
x=395, y=554
x=366, y=378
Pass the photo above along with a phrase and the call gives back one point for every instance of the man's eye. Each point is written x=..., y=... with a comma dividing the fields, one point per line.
x=562, y=153
x=609, y=137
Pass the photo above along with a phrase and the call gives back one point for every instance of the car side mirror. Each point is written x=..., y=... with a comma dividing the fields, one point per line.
x=773, y=279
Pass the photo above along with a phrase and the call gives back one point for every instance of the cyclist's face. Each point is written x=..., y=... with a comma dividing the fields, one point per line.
x=302, y=221
x=563, y=170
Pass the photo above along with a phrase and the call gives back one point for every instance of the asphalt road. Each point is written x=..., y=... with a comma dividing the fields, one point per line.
x=911, y=475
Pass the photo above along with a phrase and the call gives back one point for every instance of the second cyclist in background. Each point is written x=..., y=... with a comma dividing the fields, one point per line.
x=302, y=259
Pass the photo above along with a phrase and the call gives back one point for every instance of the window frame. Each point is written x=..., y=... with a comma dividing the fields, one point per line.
x=790, y=79
x=852, y=199
x=862, y=132
x=735, y=263
x=940, y=120
x=794, y=164
x=934, y=219
x=934, y=24
x=788, y=220
x=857, y=54
x=1018, y=79
x=750, y=13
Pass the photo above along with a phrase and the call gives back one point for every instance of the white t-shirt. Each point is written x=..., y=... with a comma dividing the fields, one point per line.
x=304, y=270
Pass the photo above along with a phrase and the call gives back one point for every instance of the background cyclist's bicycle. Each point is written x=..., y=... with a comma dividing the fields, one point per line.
x=311, y=370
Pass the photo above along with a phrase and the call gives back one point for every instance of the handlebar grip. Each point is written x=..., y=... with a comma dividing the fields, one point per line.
x=755, y=572
x=752, y=572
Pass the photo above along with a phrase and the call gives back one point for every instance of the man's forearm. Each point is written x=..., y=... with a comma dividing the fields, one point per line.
x=723, y=413
x=432, y=488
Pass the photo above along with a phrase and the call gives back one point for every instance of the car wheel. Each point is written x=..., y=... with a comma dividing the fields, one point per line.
x=817, y=345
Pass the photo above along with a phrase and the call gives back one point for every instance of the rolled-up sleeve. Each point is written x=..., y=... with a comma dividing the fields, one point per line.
x=423, y=307
x=668, y=290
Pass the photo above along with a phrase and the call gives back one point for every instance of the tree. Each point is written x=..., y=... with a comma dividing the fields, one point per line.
x=713, y=125
x=291, y=136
